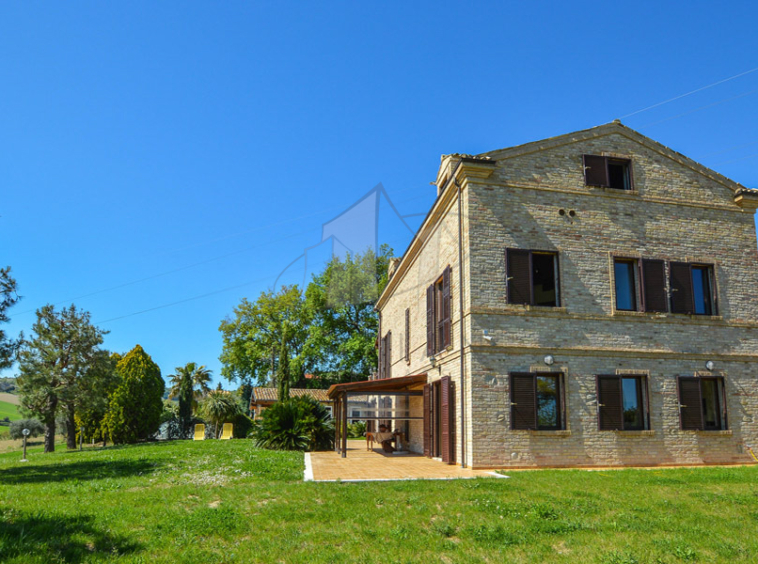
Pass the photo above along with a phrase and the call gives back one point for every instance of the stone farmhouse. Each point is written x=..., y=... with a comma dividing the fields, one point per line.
x=585, y=300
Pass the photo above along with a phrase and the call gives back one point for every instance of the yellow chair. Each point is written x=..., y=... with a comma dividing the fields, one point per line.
x=226, y=432
x=199, y=432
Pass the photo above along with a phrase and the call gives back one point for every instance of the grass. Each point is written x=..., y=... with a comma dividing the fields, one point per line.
x=228, y=502
x=11, y=412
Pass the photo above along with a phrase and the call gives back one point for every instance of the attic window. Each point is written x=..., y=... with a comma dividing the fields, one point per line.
x=608, y=172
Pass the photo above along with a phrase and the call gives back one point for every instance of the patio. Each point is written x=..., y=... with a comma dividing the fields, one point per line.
x=375, y=465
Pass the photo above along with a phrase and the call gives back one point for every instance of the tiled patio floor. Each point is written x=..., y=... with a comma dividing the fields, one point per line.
x=362, y=465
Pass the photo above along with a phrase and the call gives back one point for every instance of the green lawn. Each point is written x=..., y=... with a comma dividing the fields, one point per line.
x=216, y=502
x=8, y=410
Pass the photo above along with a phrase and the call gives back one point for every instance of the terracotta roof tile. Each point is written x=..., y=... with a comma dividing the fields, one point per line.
x=272, y=394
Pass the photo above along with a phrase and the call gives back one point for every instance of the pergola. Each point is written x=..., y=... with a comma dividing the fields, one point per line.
x=341, y=394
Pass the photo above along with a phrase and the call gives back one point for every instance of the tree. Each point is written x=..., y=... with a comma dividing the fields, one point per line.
x=135, y=408
x=52, y=365
x=200, y=376
x=283, y=372
x=96, y=388
x=342, y=336
x=219, y=406
x=185, y=398
x=8, y=297
x=253, y=338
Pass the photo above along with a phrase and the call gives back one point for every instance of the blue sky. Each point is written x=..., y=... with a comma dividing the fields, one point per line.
x=151, y=153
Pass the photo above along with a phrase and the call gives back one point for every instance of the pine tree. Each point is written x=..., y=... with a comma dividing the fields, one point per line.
x=136, y=405
x=53, y=364
x=8, y=297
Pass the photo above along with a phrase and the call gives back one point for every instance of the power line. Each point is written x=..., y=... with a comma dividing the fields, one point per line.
x=690, y=93
x=162, y=306
x=738, y=159
x=728, y=149
x=166, y=273
x=698, y=109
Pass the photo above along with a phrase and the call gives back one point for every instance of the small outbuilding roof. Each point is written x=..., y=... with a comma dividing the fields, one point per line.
x=265, y=395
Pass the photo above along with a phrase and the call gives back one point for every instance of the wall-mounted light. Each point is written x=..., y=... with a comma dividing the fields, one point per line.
x=549, y=360
x=709, y=365
x=433, y=361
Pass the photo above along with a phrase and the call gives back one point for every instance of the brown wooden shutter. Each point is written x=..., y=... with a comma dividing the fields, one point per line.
x=430, y=321
x=610, y=403
x=381, y=357
x=654, y=285
x=446, y=310
x=407, y=335
x=427, y=420
x=681, y=288
x=523, y=402
x=690, y=403
x=519, y=276
x=595, y=170
x=388, y=359
x=446, y=420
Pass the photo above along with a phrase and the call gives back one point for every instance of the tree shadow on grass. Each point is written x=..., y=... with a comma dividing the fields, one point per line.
x=81, y=471
x=58, y=538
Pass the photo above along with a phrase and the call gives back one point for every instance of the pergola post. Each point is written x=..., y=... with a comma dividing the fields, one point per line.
x=344, y=425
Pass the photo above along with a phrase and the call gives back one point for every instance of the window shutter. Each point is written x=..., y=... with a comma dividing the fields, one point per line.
x=518, y=276
x=610, y=403
x=427, y=420
x=595, y=171
x=523, y=402
x=654, y=285
x=681, y=288
x=430, y=321
x=388, y=359
x=690, y=404
x=407, y=335
x=382, y=346
x=446, y=321
x=446, y=420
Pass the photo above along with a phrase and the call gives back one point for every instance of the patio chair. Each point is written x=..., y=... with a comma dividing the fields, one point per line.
x=226, y=432
x=199, y=432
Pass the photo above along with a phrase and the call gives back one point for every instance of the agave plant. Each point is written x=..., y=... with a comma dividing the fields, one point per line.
x=299, y=423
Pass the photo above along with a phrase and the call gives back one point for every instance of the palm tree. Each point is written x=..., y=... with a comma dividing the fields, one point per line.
x=218, y=406
x=200, y=376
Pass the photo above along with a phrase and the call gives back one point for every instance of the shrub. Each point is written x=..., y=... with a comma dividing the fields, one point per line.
x=35, y=427
x=242, y=426
x=299, y=423
x=356, y=430
x=135, y=408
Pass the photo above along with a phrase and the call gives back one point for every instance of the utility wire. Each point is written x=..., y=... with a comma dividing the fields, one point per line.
x=690, y=93
x=698, y=109
x=184, y=300
x=728, y=149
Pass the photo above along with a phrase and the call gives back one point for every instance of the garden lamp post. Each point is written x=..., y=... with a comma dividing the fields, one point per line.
x=81, y=436
x=25, y=432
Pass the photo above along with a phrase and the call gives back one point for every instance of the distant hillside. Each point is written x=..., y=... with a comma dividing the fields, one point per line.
x=7, y=385
x=10, y=398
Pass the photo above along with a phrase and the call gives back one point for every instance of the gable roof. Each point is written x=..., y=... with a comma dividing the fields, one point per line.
x=607, y=129
x=272, y=394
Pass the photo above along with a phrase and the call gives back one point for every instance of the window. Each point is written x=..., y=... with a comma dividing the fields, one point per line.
x=640, y=285
x=621, y=403
x=536, y=402
x=408, y=335
x=438, y=314
x=692, y=288
x=608, y=172
x=625, y=277
x=532, y=277
x=702, y=403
